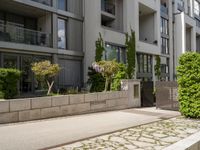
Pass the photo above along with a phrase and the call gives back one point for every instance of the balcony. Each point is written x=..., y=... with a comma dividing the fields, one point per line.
x=164, y=9
x=16, y=34
x=108, y=6
x=45, y=2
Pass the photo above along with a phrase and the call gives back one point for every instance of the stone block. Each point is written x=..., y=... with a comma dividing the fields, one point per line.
x=117, y=102
x=90, y=97
x=75, y=109
x=9, y=117
x=123, y=94
x=29, y=115
x=76, y=99
x=98, y=106
x=41, y=102
x=20, y=104
x=111, y=103
x=103, y=96
x=114, y=95
x=4, y=106
x=50, y=112
x=60, y=100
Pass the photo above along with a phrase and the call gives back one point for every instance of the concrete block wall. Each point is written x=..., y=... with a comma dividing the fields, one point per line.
x=28, y=109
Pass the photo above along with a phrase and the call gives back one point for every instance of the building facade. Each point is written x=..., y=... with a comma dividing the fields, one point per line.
x=65, y=31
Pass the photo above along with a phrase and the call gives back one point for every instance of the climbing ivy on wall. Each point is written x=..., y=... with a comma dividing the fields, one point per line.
x=157, y=67
x=131, y=54
x=99, y=48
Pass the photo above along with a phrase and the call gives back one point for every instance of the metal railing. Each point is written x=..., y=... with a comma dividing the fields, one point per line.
x=45, y=2
x=108, y=7
x=164, y=9
x=12, y=33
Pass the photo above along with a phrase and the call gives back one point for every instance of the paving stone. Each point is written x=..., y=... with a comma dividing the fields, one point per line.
x=154, y=136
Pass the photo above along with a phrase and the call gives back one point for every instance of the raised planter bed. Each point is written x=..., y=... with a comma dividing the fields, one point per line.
x=27, y=109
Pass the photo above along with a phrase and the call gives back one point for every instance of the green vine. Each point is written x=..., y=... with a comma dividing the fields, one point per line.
x=99, y=48
x=157, y=67
x=131, y=54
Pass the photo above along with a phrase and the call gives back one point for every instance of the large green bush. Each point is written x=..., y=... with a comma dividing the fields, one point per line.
x=188, y=73
x=8, y=82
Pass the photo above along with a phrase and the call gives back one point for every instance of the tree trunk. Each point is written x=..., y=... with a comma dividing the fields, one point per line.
x=50, y=85
x=106, y=84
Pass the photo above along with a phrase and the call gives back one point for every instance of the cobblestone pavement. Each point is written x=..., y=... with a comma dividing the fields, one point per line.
x=154, y=136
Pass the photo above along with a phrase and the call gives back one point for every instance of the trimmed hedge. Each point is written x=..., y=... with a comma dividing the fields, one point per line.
x=188, y=73
x=8, y=82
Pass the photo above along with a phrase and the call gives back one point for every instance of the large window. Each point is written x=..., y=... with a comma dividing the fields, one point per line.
x=114, y=52
x=144, y=63
x=62, y=44
x=164, y=26
x=164, y=45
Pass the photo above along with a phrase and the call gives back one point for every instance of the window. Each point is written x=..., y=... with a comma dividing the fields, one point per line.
x=62, y=44
x=164, y=45
x=197, y=8
x=144, y=63
x=62, y=4
x=114, y=52
x=164, y=26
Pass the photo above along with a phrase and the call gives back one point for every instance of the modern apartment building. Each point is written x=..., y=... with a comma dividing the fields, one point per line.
x=33, y=30
x=65, y=31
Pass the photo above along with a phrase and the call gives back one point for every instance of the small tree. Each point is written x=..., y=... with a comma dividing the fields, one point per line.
x=131, y=54
x=108, y=69
x=46, y=72
x=157, y=67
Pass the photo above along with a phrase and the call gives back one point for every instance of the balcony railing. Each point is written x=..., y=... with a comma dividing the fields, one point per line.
x=108, y=7
x=11, y=33
x=45, y=2
x=164, y=9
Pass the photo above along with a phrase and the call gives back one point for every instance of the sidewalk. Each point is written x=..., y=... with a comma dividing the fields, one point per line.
x=54, y=132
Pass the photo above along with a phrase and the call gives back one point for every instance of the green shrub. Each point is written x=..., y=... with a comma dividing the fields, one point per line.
x=188, y=73
x=121, y=74
x=96, y=80
x=8, y=82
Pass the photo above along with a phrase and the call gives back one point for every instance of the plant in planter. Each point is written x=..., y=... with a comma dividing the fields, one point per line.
x=96, y=80
x=8, y=82
x=121, y=74
x=108, y=69
x=46, y=72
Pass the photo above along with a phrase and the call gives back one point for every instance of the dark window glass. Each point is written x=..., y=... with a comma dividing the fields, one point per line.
x=114, y=52
x=62, y=4
x=164, y=26
x=144, y=63
x=62, y=34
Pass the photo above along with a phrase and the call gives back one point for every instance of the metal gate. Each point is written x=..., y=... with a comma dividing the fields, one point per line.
x=147, y=96
x=167, y=95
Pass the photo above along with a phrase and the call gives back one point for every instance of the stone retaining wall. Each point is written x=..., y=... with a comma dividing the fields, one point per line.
x=55, y=106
